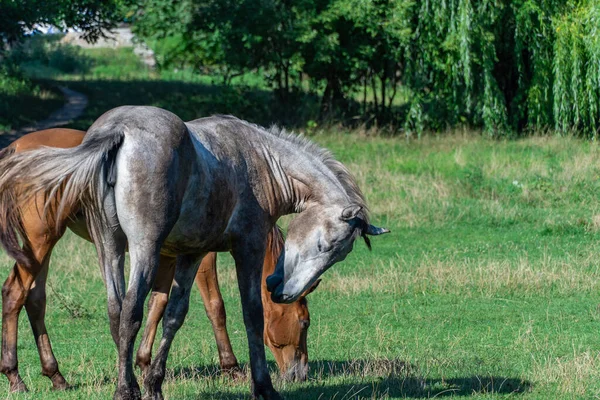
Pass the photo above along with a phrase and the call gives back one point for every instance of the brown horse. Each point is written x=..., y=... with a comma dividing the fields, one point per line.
x=285, y=328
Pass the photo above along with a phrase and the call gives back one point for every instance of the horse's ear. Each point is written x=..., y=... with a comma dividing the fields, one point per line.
x=374, y=230
x=350, y=212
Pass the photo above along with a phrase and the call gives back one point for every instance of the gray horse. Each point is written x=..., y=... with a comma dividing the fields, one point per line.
x=147, y=179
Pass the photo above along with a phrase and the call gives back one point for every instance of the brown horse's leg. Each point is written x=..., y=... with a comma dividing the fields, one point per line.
x=14, y=294
x=156, y=308
x=207, y=282
x=36, y=311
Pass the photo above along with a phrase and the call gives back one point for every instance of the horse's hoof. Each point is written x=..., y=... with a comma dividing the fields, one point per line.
x=272, y=396
x=154, y=396
x=59, y=383
x=18, y=387
x=61, y=387
x=144, y=369
x=153, y=386
x=234, y=373
x=128, y=394
x=267, y=394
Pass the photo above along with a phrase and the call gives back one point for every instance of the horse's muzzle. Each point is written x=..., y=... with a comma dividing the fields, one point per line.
x=297, y=373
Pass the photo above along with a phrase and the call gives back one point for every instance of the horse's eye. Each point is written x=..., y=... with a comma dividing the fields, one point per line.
x=323, y=247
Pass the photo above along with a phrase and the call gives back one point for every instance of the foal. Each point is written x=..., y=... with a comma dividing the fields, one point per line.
x=285, y=325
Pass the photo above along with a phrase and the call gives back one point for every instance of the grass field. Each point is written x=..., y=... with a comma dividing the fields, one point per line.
x=488, y=286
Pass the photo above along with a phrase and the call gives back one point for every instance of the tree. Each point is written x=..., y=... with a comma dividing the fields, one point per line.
x=93, y=17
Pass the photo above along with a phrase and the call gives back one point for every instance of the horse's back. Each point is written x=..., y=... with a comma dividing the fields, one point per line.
x=56, y=137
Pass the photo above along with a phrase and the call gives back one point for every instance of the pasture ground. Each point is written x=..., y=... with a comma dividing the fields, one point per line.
x=488, y=286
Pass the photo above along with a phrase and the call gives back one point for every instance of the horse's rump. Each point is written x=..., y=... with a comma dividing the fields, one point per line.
x=65, y=177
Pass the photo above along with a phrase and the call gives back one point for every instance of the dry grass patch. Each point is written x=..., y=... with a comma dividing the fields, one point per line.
x=576, y=375
x=411, y=200
x=470, y=277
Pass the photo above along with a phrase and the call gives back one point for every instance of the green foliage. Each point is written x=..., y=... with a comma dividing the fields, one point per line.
x=91, y=16
x=577, y=69
x=48, y=52
x=23, y=102
x=506, y=66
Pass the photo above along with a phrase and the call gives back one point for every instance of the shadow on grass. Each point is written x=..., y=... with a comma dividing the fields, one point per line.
x=369, y=379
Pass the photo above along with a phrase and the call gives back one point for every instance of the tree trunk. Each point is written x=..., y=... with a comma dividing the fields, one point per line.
x=333, y=97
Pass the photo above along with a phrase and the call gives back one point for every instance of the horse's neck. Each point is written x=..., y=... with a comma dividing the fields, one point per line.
x=300, y=180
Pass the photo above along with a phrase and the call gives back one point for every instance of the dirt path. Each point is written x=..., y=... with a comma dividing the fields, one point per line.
x=73, y=108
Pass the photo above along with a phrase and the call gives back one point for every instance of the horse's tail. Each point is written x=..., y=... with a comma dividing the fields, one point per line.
x=11, y=226
x=77, y=175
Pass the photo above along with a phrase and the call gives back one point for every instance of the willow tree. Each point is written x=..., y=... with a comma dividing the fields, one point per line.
x=577, y=69
x=508, y=66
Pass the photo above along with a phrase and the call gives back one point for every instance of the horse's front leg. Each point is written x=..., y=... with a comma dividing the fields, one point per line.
x=156, y=309
x=249, y=257
x=177, y=309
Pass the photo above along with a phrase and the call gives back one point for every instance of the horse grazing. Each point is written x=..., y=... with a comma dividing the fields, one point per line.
x=176, y=190
x=285, y=325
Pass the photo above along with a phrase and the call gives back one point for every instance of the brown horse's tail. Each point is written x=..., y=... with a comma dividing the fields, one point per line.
x=79, y=175
x=11, y=226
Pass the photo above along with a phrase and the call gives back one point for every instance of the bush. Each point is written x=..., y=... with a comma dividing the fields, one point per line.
x=50, y=54
x=23, y=102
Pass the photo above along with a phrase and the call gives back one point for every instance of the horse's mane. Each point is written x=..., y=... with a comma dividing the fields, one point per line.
x=345, y=178
x=338, y=169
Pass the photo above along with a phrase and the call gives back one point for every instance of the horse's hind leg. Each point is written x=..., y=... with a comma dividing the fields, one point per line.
x=207, y=282
x=36, y=311
x=111, y=242
x=144, y=266
x=15, y=294
x=177, y=309
x=156, y=309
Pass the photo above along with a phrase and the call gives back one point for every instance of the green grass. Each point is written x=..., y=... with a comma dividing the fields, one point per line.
x=488, y=286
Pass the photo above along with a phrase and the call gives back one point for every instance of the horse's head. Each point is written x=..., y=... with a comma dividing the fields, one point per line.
x=317, y=238
x=286, y=331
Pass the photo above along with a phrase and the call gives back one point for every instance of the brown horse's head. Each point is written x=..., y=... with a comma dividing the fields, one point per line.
x=286, y=331
x=286, y=325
